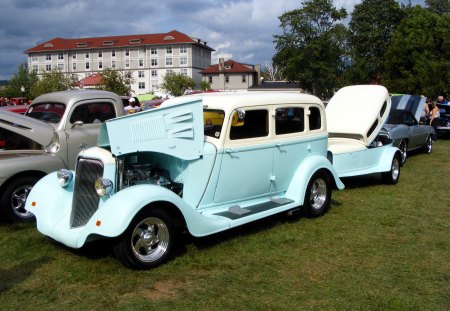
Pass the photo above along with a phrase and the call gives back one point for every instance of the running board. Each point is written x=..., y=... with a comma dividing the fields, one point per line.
x=236, y=211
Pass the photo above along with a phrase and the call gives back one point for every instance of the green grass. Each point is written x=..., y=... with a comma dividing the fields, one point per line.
x=379, y=247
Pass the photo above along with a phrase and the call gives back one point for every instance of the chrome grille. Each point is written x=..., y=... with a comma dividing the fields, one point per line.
x=85, y=200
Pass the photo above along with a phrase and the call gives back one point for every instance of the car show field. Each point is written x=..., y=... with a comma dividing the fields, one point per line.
x=378, y=248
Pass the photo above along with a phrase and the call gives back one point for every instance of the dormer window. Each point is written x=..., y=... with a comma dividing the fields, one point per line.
x=81, y=45
x=48, y=45
x=135, y=41
x=227, y=67
x=169, y=38
x=107, y=43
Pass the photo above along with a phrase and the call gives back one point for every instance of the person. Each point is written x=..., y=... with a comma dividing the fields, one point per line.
x=441, y=100
x=435, y=115
x=425, y=112
x=131, y=108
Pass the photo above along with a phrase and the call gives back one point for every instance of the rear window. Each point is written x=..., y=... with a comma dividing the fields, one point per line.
x=48, y=112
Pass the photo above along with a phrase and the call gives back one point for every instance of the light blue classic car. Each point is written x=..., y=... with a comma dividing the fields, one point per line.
x=201, y=163
x=355, y=116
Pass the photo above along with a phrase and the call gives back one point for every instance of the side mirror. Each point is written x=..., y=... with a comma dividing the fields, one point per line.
x=238, y=117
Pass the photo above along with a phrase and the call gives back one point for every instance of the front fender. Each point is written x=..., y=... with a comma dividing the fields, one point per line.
x=304, y=172
x=386, y=158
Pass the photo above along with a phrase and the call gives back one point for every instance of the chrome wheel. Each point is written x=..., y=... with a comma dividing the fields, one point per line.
x=18, y=199
x=395, y=169
x=403, y=150
x=318, y=194
x=150, y=239
x=428, y=145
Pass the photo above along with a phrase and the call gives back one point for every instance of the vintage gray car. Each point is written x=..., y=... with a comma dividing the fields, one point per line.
x=48, y=137
x=403, y=127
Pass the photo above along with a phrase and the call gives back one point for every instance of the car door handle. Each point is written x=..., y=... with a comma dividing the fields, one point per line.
x=229, y=150
x=278, y=145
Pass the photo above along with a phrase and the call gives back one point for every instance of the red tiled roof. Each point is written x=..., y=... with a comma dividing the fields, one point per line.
x=234, y=67
x=92, y=80
x=61, y=44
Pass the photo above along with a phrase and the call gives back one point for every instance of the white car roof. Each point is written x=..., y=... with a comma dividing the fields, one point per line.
x=359, y=110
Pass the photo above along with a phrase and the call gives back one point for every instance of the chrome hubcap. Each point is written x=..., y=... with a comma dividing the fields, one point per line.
x=150, y=239
x=403, y=151
x=318, y=193
x=18, y=199
x=395, y=170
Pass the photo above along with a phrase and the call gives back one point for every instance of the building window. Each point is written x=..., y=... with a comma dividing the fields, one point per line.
x=227, y=79
x=141, y=74
x=100, y=65
x=154, y=62
x=155, y=84
x=74, y=56
x=169, y=50
x=61, y=67
x=48, y=67
x=183, y=49
x=169, y=72
x=154, y=51
x=184, y=72
x=141, y=85
x=48, y=56
x=210, y=79
x=86, y=55
x=34, y=58
x=183, y=61
x=169, y=61
x=127, y=52
x=127, y=63
x=113, y=64
x=74, y=66
x=88, y=65
x=113, y=53
x=141, y=63
x=100, y=54
x=60, y=56
x=244, y=78
x=35, y=68
x=154, y=73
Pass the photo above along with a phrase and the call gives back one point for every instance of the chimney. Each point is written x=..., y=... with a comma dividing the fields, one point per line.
x=221, y=64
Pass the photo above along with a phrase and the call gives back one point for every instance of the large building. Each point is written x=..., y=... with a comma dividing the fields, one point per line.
x=147, y=58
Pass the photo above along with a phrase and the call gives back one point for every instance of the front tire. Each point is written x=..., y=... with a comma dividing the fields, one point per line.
x=13, y=199
x=148, y=241
x=403, y=150
x=393, y=175
x=318, y=194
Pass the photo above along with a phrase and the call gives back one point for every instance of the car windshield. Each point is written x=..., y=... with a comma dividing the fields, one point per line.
x=213, y=121
x=48, y=112
x=399, y=116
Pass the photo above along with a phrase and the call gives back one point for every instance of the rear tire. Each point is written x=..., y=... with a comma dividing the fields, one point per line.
x=318, y=194
x=12, y=202
x=148, y=241
x=428, y=145
x=391, y=177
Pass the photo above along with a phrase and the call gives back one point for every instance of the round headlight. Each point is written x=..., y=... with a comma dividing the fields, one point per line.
x=64, y=177
x=103, y=186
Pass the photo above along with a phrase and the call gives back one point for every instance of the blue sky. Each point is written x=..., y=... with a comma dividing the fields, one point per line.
x=241, y=29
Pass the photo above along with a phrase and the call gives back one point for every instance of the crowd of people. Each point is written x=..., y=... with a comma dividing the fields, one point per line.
x=432, y=112
x=6, y=101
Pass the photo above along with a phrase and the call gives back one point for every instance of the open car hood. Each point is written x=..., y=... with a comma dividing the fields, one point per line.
x=358, y=111
x=411, y=103
x=175, y=130
x=33, y=129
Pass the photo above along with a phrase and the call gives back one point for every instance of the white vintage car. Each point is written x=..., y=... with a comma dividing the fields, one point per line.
x=201, y=163
x=355, y=116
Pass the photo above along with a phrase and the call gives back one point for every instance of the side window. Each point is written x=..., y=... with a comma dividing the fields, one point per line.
x=256, y=124
x=289, y=120
x=315, y=119
x=93, y=113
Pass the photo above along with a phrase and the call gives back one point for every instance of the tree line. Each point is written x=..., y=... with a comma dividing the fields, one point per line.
x=404, y=47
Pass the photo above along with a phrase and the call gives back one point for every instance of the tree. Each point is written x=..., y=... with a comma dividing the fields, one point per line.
x=116, y=82
x=438, y=6
x=205, y=86
x=312, y=46
x=21, y=83
x=272, y=72
x=372, y=25
x=51, y=81
x=176, y=84
x=418, y=59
